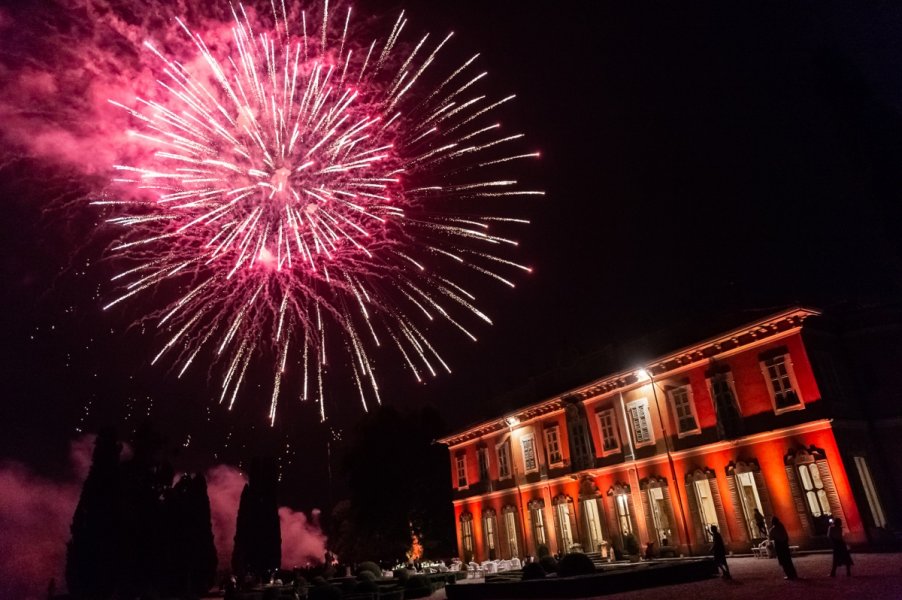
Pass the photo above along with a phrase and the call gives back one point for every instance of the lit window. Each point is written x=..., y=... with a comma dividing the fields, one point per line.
x=510, y=529
x=706, y=511
x=640, y=419
x=461, y=462
x=683, y=410
x=553, y=446
x=815, y=496
x=490, y=527
x=606, y=424
x=658, y=504
x=747, y=490
x=778, y=372
x=870, y=492
x=466, y=532
x=562, y=513
x=482, y=455
x=504, y=460
x=622, y=502
x=589, y=510
x=528, y=445
x=537, y=514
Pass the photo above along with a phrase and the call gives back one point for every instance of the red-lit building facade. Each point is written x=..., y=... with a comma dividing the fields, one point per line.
x=758, y=419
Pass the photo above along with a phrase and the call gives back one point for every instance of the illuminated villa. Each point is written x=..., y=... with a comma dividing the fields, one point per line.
x=759, y=418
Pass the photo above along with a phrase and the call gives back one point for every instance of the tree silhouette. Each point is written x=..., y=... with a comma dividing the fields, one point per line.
x=191, y=554
x=258, y=538
x=92, y=553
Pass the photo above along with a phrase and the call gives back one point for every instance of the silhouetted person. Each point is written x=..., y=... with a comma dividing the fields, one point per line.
x=841, y=554
x=780, y=539
x=759, y=523
x=719, y=552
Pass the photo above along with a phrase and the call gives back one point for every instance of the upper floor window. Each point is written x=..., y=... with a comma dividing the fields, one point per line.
x=684, y=410
x=640, y=420
x=482, y=454
x=582, y=451
x=504, y=459
x=726, y=407
x=528, y=446
x=608, y=428
x=781, y=383
x=553, y=446
x=461, y=463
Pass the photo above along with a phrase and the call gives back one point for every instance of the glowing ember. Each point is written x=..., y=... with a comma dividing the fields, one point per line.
x=303, y=193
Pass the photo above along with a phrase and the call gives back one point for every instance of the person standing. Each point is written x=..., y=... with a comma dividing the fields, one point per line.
x=841, y=554
x=719, y=551
x=780, y=539
x=759, y=523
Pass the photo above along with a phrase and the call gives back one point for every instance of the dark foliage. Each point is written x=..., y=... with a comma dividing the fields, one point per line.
x=417, y=586
x=366, y=586
x=92, y=553
x=575, y=563
x=542, y=550
x=369, y=567
x=258, y=538
x=398, y=483
x=326, y=591
x=191, y=567
x=533, y=571
x=630, y=544
x=549, y=563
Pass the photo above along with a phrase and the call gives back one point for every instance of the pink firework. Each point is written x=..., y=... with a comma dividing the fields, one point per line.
x=305, y=192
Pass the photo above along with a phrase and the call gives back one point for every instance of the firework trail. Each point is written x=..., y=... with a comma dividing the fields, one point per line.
x=299, y=194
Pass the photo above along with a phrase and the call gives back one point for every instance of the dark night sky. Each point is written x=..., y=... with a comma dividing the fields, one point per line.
x=699, y=158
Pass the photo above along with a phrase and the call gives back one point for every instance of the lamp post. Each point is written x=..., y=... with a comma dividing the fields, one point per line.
x=511, y=421
x=645, y=375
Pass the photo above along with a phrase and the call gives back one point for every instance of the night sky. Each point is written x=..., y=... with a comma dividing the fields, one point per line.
x=699, y=159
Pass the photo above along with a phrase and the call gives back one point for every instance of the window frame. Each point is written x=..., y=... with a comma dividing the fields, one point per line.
x=505, y=459
x=460, y=464
x=531, y=438
x=690, y=400
x=554, y=430
x=785, y=358
x=643, y=403
x=600, y=415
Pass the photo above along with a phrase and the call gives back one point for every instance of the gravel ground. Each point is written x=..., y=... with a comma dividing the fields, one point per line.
x=874, y=577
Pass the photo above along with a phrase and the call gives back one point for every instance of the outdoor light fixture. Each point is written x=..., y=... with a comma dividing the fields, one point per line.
x=643, y=375
x=511, y=421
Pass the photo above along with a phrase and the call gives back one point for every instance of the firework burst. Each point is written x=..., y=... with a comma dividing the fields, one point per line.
x=313, y=198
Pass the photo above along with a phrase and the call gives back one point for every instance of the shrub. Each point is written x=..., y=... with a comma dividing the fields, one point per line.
x=271, y=593
x=402, y=575
x=325, y=592
x=370, y=567
x=549, y=563
x=542, y=551
x=630, y=544
x=533, y=571
x=319, y=580
x=417, y=586
x=575, y=563
x=368, y=586
x=366, y=576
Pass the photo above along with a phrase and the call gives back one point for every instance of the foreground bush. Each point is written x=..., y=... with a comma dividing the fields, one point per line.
x=549, y=563
x=575, y=563
x=533, y=571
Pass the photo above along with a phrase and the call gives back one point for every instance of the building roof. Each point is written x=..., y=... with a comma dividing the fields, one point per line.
x=546, y=394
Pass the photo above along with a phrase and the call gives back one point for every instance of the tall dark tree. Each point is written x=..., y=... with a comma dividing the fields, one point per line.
x=258, y=537
x=191, y=555
x=145, y=480
x=398, y=482
x=92, y=553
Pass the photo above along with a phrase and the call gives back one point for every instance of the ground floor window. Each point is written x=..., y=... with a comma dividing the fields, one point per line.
x=490, y=527
x=510, y=531
x=657, y=503
x=706, y=509
x=466, y=533
x=592, y=521
x=622, y=503
x=537, y=515
x=562, y=512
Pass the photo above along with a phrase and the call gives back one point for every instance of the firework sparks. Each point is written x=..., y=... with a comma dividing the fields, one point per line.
x=306, y=193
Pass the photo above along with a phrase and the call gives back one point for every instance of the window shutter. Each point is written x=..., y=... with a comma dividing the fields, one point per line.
x=764, y=496
x=797, y=497
x=646, y=508
x=675, y=533
x=693, y=510
x=827, y=479
x=737, y=505
x=718, y=504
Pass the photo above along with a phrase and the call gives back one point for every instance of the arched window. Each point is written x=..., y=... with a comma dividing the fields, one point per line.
x=490, y=529
x=537, y=516
x=511, y=530
x=658, y=513
x=705, y=503
x=466, y=534
x=623, y=507
x=751, y=502
x=590, y=513
x=563, y=514
x=811, y=483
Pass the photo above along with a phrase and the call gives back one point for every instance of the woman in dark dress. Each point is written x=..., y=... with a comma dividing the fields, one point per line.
x=719, y=551
x=841, y=554
x=780, y=539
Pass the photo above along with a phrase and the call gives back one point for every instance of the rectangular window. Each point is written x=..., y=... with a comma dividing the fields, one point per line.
x=622, y=502
x=510, y=528
x=640, y=419
x=461, y=462
x=683, y=410
x=482, y=455
x=562, y=511
x=606, y=424
x=706, y=511
x=778, y=371
x=589, y=510
x=490, y=532
x=813, y=487
x=504, y=459
x=538, y=523
x=870, y=491
x=553, y=446
x=659, y=514
x=466, y=534
x=528, y=445
x=748, y=497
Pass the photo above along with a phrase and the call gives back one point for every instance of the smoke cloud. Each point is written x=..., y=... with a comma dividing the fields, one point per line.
x=36, y=512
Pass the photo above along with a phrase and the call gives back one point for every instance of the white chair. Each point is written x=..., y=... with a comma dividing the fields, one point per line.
x=515, y=564
x=490, y=567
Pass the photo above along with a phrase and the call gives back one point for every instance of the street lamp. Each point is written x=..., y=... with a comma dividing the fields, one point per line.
x=512, y=421
x=646, y=375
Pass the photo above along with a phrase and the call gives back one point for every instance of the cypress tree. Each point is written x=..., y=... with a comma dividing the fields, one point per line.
x=258, y=537
x=191, y=557
x=92, y=553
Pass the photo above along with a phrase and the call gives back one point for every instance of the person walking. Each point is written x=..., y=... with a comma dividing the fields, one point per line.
x=760, y=523
x=719, y=551
x=780, y=539
x=841, y=554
